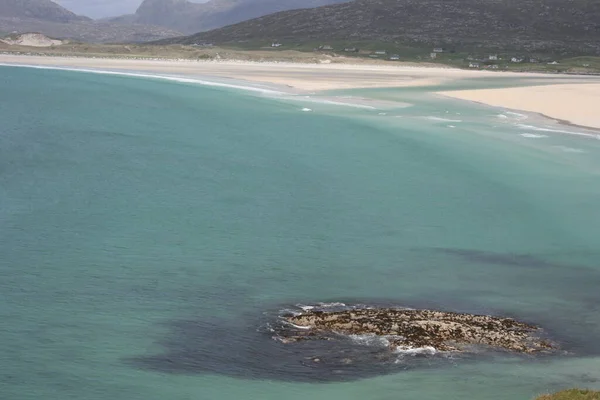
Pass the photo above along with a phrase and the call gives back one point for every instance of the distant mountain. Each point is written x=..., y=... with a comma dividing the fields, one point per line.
x=51, y=19
x=541, y=25
x=44, y=10
x=188, y=17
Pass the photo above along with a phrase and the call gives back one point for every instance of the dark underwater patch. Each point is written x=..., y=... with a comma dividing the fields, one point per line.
x=243, y=351
x=511, y=259
x=244, y=348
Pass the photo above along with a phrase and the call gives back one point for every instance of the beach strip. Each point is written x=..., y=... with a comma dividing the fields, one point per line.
x=576, y=104
x=566, y=98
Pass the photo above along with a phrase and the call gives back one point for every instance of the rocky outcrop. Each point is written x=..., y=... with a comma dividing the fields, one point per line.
x=406, y=329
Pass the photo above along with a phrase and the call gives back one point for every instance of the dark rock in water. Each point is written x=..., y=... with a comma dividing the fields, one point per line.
x=407, y=329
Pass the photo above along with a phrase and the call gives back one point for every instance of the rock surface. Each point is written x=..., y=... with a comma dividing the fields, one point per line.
x=407, y=329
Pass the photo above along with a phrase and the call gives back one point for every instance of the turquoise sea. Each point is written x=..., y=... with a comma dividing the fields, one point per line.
x=149, y=228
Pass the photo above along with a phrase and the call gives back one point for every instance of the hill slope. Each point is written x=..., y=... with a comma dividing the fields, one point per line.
x=185, y=16
x=51, y=19
x=542, y=25
x=45, y=10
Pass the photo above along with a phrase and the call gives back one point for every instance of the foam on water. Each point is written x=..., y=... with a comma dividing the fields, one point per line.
x=333, y=304
x=516, y=115
x=567, y=149
x=569, y=132
x=432, y=118
x=255, y=88
x=154, y=76
x=533, y=136
x=411, y=351
x=320, y=100
x=370, y=340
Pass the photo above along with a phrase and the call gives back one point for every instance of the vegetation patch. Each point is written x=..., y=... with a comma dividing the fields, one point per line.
x=572, y=394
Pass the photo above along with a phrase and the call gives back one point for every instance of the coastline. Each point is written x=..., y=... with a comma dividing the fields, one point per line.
x=568, y=104
x=565, y=99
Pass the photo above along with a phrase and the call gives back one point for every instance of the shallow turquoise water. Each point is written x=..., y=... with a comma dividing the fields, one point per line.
x=132, y=209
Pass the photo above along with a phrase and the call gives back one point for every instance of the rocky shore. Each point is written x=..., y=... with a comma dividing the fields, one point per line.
x=407, y=329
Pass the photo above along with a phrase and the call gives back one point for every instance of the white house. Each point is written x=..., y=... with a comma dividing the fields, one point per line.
x=516, y=60
x=473, y=65
x=438, y=50
x=275, y=44
x=394, y=57
x=493, y=57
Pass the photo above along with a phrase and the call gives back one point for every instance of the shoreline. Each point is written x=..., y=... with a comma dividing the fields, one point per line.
x=566, y=104
x=304, y=77
x=567, y=100
x=557, y=121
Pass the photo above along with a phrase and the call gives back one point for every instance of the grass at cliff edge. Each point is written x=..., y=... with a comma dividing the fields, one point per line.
x=572, y=394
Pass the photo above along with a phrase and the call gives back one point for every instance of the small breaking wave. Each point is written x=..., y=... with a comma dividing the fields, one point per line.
x=533, y=136
x=153, y=76
x=306, y=109
x=516, y=115
x=324, y=101
x=432, y=118
x=334, y=304
x=412, y=351
x=370, y=340
x=569, y=132
x=567, y=149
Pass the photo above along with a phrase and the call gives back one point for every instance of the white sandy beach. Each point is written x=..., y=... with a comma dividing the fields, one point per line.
x=577, y=104
x=574, y=99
